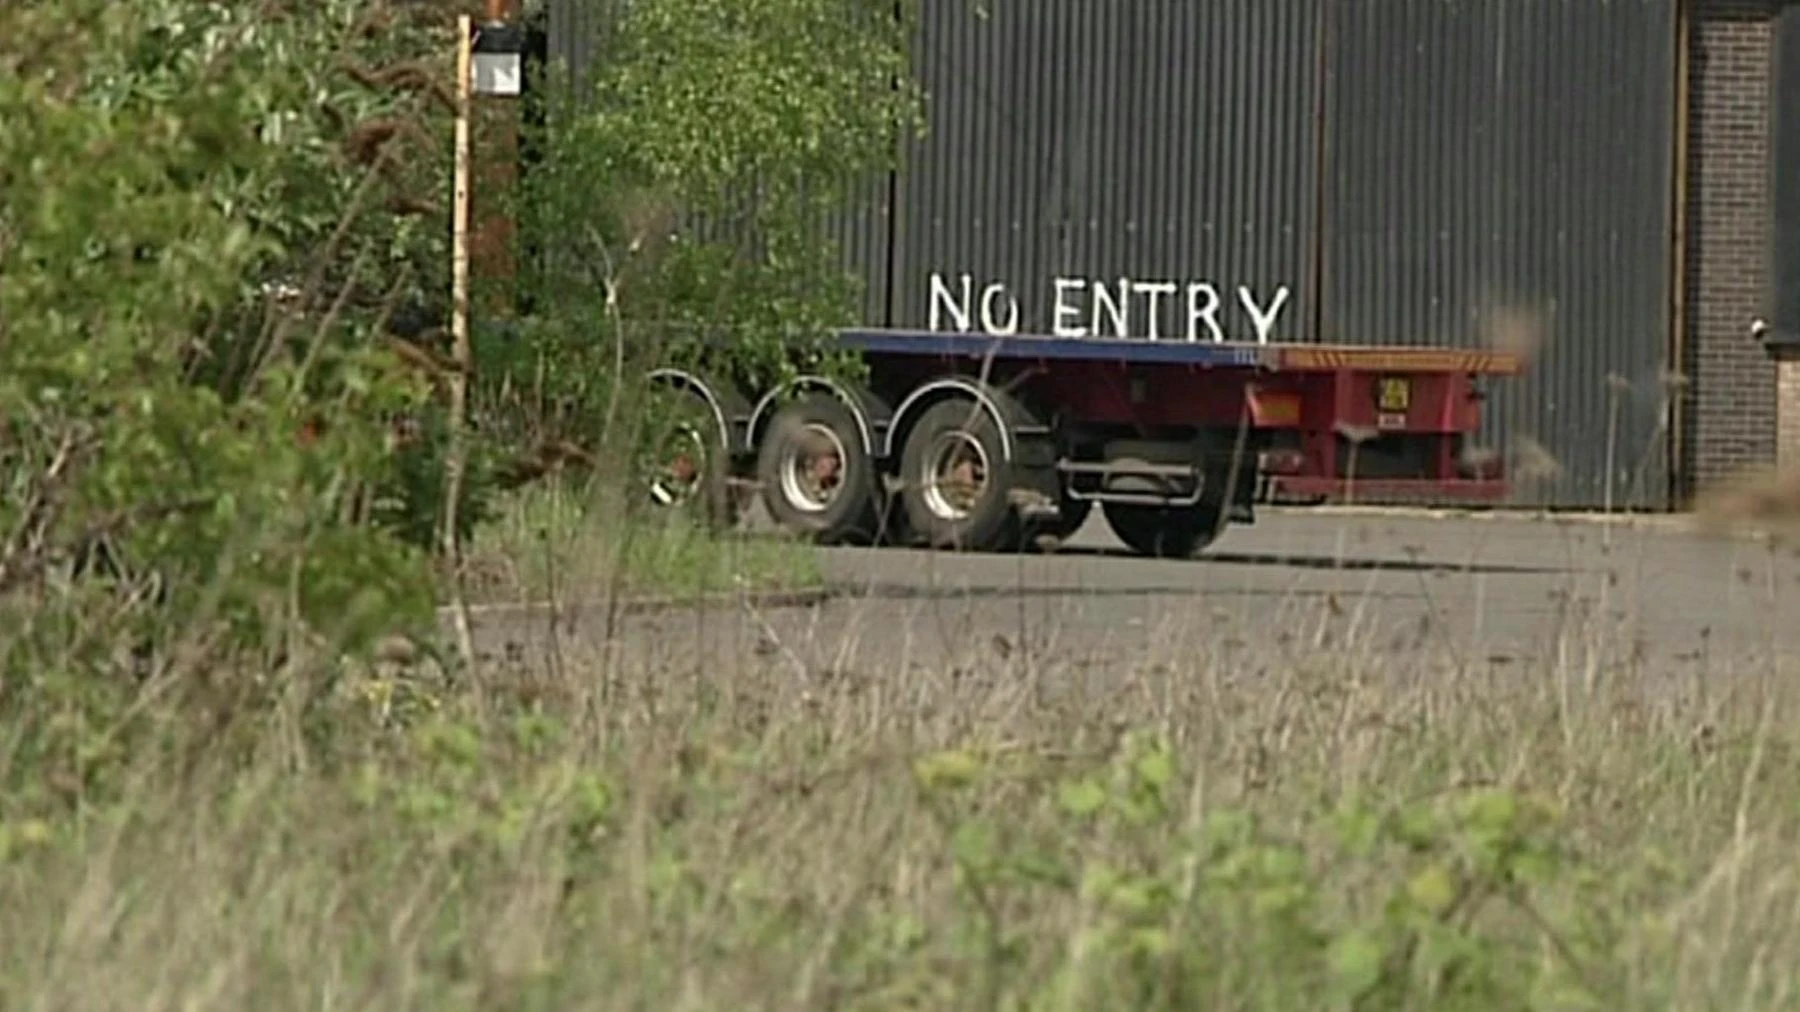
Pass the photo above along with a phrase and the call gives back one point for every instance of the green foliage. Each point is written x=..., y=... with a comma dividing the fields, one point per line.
x=209, y=211
x=684, y=196
x=563, y=540
x=159, y=162
x=1447, y=908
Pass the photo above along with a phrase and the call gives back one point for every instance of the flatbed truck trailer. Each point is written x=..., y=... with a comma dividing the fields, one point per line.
x=975, y=442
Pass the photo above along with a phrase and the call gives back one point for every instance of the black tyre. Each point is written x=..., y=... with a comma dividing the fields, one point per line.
x=1164, y=532
x=955, y=487
x=817, y=479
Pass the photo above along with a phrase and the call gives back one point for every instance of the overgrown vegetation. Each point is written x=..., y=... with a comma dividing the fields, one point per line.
x=165, y=170
x=563, y=542
x=686, y=220
x=223, y=274
x=225, y=784
x=1193, y=825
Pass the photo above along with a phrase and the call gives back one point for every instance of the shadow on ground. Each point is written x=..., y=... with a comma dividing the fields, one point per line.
x=1281, y=561
x=891, y=591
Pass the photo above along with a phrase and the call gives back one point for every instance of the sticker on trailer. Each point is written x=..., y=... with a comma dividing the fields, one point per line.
x=1394, y=395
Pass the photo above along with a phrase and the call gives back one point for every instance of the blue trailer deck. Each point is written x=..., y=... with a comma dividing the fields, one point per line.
x=1038, y=346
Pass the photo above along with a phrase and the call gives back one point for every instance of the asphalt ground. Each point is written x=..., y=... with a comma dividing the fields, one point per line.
x=1406, y=591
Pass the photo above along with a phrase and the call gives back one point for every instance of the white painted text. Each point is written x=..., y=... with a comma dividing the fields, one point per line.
x=1112, y=308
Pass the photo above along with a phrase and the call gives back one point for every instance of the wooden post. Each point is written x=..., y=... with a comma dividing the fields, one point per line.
x=459, y=215
x=457, y=459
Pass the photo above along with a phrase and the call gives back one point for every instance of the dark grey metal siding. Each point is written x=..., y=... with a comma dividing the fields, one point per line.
x=1511, y=161
x=864, y=236
x=1785, y=179
x=576, y=28
x=1161, y=141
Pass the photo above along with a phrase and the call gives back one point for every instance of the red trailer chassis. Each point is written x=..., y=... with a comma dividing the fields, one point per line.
x=973, y=441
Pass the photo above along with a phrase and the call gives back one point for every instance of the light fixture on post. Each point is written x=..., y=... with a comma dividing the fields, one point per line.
x=498, y=56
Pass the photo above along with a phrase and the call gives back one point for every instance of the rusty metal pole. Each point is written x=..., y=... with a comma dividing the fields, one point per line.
x=495, y=156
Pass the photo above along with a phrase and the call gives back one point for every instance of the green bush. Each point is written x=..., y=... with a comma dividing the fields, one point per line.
x=209, y=215
x=161, y=164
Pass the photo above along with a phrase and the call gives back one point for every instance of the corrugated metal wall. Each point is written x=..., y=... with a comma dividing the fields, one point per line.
x=1160, y=141
x=864, y=234
x=1502, y=170
x=577, y=29
x=1383, y=171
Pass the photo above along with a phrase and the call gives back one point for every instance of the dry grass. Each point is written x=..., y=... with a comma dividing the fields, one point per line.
x=550, y=541
x=1765, y=501
x=1211, y=819
x=1516, y=330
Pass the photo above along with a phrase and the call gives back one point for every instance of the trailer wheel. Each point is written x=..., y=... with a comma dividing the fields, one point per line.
x=955, y=485
x=817, y=478
x=1163, y=532
x=689, y=470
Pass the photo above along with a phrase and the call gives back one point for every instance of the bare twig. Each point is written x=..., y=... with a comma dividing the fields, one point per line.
x=24, y=556
x=611, y=280
x=415, y=77
x=315, y=280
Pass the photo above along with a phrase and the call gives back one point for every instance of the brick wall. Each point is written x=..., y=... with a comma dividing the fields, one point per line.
x=1730, y=419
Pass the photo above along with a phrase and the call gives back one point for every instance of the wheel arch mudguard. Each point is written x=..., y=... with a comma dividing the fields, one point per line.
x=728, y=406
x=873, y=415
x=1009, y=414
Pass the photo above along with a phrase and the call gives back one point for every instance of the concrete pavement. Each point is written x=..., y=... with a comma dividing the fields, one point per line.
x=1416, y=590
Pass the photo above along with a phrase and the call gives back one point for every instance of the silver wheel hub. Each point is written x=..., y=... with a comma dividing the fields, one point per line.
x=812, y=468
x=677, y=478
x=954, y=475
